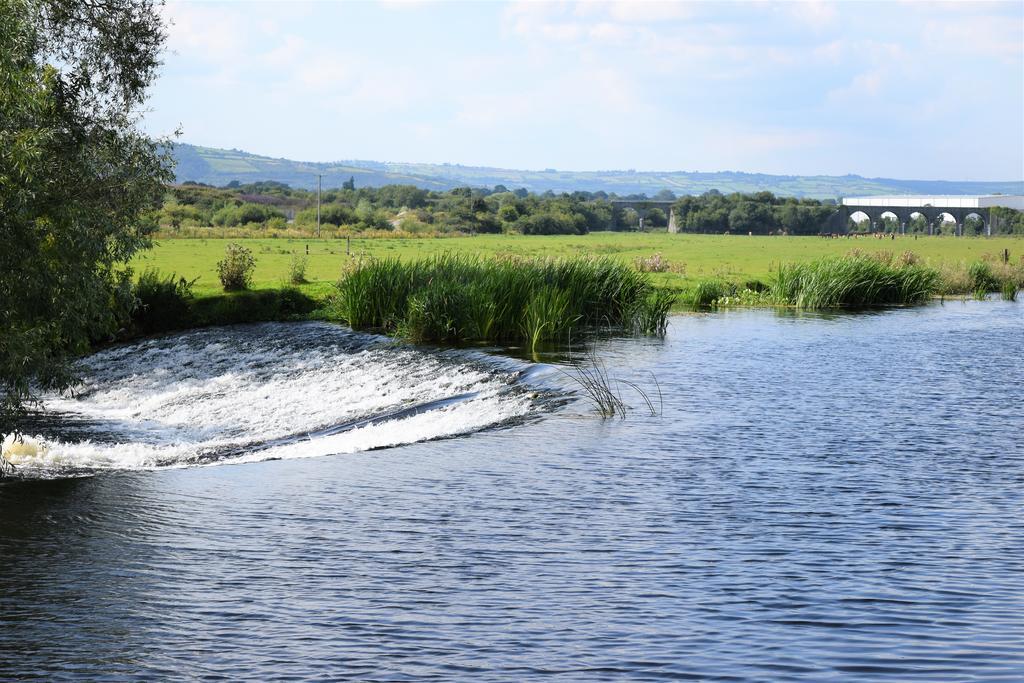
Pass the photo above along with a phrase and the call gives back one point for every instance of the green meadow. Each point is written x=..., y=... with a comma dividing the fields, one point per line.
x=690, y=258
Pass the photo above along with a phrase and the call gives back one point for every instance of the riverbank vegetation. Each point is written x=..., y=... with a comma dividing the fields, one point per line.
x=452, y=298
x=269, y=209
x=677, y=263
x=854, y=281
x=511, y=299
x=76, y=178
x=860, y=280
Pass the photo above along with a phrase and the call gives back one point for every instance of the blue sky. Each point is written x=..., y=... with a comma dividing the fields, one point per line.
x=906, y=90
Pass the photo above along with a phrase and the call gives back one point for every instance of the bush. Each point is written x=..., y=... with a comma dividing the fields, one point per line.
x=231, y=216
x=708, y=292
x=652, y=264
x=235, y=271
x=297, y=269
x=552, y=223
x=162, y=302
x=249, y=307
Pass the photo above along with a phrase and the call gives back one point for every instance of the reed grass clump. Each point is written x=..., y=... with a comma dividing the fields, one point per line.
x=1009, y=291
x=708, y=292
x=980, y=276
x=457, y=298
x=854, y=281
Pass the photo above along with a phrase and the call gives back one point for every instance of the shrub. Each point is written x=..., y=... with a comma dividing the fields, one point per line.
x=907, y=258
x=552, y=223
x=755, y=286
x=652, y=264
x=710, y=291
x=235, y=271
x=297, y=269
x=243, y=214
x=247, y=307
x=162, y=302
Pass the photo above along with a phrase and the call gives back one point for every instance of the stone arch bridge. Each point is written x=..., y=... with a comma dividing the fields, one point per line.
x=642, y=206
x=932, y=207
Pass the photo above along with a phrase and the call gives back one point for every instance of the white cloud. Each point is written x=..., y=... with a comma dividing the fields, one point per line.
x=215, y=34
x=984, y=35
x=866, y=85
x=818, y=14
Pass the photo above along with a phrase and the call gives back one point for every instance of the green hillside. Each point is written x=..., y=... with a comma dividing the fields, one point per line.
x=221, y=166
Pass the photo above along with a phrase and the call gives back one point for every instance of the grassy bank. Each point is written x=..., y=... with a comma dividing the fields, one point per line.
x=690, y=258
x=538, y=288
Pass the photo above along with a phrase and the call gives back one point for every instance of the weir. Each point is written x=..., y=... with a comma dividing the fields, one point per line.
x=263, y=392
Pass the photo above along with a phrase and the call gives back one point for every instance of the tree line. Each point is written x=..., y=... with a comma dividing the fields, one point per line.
x=410, y=209
x=273, y=205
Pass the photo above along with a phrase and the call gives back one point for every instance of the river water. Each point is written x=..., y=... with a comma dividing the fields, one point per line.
x=819, y=498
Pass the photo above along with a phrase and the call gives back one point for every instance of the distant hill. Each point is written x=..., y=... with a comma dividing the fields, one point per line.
x=221, y=166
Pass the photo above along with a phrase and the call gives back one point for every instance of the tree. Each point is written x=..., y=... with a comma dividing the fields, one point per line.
x=752, y=216
x=349, y=184
x=656, y=218
x=76, y=177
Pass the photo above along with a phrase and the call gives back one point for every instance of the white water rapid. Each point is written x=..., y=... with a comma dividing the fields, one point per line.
x=259, y=392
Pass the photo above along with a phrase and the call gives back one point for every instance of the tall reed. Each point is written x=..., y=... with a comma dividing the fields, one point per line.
x=853, y=282
x=458, y=298
x=1009, y=291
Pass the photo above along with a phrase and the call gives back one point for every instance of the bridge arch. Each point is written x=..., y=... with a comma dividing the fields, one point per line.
x=975, y=224
x=946, y=223
x=638, y=210
x=858, y=218
x=933, y=212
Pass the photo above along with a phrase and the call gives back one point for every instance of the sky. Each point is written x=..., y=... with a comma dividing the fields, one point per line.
x=896, y=89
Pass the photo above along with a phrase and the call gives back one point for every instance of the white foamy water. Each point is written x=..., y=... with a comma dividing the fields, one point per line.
x=251, y=393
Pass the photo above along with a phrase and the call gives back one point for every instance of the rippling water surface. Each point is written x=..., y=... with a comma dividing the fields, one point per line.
x=823, y=498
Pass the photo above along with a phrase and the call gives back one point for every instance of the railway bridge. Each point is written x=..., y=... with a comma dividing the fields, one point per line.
x=933, y=208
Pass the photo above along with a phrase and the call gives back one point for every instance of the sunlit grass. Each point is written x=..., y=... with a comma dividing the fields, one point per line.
x=459, y=298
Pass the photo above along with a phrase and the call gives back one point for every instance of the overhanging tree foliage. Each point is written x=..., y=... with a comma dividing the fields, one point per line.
x=76, y=175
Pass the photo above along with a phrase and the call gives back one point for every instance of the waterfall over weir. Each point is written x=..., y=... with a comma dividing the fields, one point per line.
x=260, y=392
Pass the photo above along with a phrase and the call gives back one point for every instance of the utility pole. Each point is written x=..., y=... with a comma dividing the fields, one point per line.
x=319, y=178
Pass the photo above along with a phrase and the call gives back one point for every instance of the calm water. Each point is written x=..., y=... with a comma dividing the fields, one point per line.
x=823, y=498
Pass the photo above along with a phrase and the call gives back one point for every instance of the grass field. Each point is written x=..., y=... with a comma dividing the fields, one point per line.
x=693, y=257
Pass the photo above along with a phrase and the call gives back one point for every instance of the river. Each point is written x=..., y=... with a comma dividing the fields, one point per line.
x=820, y=497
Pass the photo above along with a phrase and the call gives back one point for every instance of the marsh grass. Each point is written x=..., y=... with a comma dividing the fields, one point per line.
x=854, y=281
x=458, y=298
x=1009, y=291
x=596, y=384
x=602, y=390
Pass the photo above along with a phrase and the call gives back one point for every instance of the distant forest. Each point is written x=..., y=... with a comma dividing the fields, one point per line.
x=272, y=208
x=221, y=166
